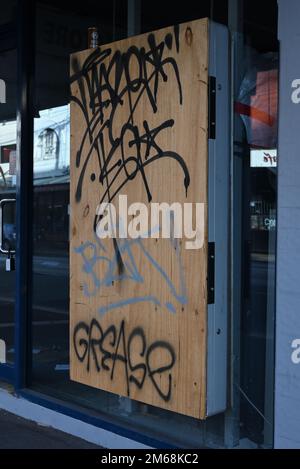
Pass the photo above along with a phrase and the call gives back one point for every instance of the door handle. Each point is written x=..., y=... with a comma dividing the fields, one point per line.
x=2, y=223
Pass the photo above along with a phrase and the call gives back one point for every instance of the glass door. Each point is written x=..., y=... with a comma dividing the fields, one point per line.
x=8, y=132
x=256, y=107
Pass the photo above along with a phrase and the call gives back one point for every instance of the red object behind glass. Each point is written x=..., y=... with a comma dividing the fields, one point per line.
x=258, y=107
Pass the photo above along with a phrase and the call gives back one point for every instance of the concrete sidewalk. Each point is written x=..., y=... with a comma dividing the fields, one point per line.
x=18, y=433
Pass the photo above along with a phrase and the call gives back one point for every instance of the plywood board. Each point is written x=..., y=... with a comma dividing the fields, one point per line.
x=138, y=307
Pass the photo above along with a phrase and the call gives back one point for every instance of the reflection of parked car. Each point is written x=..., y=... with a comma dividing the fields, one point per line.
x=9, y=237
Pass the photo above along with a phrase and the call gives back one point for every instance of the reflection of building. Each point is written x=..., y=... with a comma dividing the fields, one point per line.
x=51, y=178
x=51, y=147
x=2, y=91
x=52, y=144
x=48, y=145
x=7, y=153
x=51, y=174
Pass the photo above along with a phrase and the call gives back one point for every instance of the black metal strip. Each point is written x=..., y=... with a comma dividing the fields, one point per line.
x=211, y=274
x=212, y=98
x=24, y=190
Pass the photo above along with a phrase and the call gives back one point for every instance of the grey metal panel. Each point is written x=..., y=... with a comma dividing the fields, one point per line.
x=218, y=223
x=287, y=374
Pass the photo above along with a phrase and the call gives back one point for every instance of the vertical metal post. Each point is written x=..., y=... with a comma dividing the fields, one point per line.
x=129, y=406
x=270, y=349
x=24, y=189
x=232, y=417
x=133, y=17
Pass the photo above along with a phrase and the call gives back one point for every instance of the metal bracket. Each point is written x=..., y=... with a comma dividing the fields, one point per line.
x=2, y=202
x=212, y=102
x=211, y=274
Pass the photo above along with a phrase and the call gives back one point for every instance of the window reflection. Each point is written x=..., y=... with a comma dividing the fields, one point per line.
x=52, y=145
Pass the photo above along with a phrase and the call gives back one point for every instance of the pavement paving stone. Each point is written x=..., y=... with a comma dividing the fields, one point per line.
x=19, y=433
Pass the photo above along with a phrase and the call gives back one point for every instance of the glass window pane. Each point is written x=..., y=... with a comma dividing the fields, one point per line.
x=8, y=133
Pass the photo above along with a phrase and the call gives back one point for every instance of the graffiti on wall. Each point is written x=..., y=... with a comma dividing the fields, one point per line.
x=135, y=291
x=113, y=344
x=102, y=94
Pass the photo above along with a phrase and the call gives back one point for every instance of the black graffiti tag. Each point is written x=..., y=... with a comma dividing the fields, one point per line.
x=105, y=348
x=105, y=81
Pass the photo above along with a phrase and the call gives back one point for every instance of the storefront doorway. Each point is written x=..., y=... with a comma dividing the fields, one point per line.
x=40, y=332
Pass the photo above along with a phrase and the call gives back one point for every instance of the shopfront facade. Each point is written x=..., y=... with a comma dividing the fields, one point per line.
x=37, y=39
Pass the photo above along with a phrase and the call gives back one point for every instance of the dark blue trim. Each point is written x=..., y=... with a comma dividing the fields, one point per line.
x=7, y=373
x=90, y=418
x=24, y=189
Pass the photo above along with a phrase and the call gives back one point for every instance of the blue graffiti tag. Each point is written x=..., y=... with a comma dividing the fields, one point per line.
x=97, y=255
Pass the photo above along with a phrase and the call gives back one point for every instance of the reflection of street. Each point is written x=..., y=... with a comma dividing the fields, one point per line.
x=262, y=276
x=51, y=287
x=50, y=306
x=258, y=334
x=51, y=283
